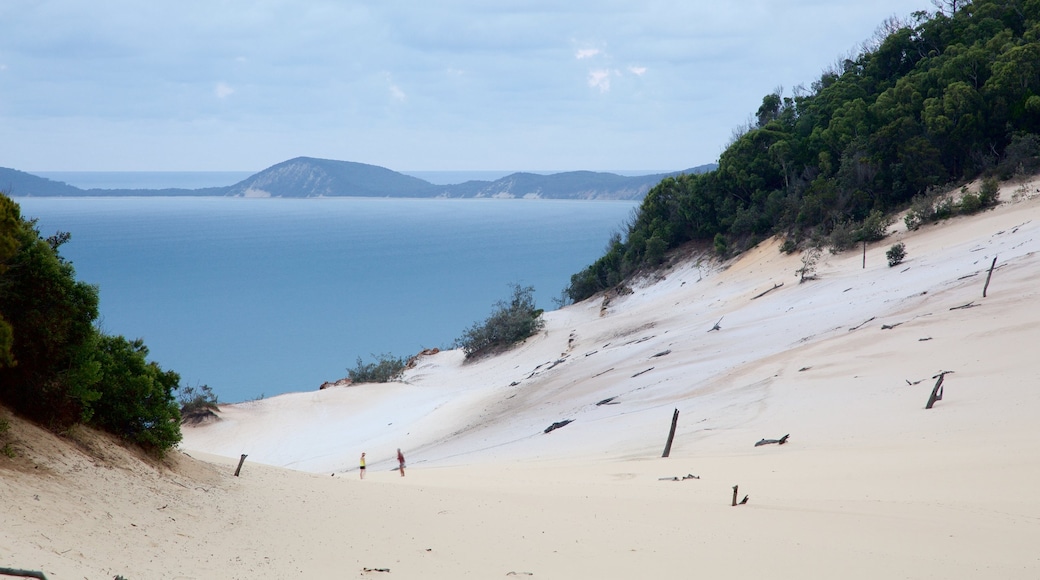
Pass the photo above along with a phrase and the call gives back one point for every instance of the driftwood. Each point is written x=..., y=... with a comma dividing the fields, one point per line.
x=968, y=305
x=558, y=424
x=862, y=323
x=677, y=478
x=988, y=276
x=240, y=462
x=662, y=353
x=756, y=297
x=937, y=390
x=779, y=441
x=671, y=434
x=607, y=401
x=22, y=573
x=643, y=371
x=716, y=327
x=890, y=326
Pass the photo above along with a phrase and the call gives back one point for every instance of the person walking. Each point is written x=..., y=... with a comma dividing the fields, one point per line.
x=400, y=460
x=362, y=465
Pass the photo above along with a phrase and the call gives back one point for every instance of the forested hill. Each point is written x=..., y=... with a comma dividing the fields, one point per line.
x=936, y=100
x=310, y=177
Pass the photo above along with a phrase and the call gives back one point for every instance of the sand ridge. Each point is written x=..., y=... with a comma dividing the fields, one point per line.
x=869, y=485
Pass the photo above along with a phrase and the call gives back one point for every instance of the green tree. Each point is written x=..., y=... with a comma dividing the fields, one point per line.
x=138, y=399
x=51, y=317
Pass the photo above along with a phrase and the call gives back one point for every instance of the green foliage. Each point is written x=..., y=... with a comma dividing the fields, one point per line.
x=810, y=258
x=720, y=244
x=896, y=254
x=385, y=369
x=944, y=98
x=196, y=402
x=51, y=323
x=509, y=323
x=55, y=366
x=137, y=397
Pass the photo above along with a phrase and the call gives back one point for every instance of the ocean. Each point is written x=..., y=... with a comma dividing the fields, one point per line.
x=258, y=297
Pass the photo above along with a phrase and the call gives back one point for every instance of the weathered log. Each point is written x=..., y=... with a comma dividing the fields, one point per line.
x=558, y=424
x=643, y=371
x=775, y=286
x=779, y=441
x=968, y=305
x=988, y=276
x=671, y=434
x=716, y=327
x=240, y=462
x=937, y=390
x=735, y=495
x=862, y=323
x=22, y=573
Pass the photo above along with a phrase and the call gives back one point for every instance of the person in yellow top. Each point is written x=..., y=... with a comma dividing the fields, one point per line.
x=362, y=465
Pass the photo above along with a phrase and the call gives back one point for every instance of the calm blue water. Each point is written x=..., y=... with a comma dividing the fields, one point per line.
x=263, y=296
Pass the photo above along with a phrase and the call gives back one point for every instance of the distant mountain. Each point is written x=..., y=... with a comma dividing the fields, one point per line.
x=310, y=177
x=567, y=185
x=14, y=182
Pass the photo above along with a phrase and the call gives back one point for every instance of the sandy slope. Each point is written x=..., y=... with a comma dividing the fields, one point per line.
x=870, y=485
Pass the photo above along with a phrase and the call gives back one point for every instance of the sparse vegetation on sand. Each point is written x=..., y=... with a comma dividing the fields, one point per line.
x=509, y=323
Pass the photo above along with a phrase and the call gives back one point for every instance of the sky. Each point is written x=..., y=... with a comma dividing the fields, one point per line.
x=537, y=85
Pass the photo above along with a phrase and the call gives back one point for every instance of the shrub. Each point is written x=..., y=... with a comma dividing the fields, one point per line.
x=387, y=368
x=875, y=227
x=197, y=403
x=809, y=260
x=137, y=397
x=509, y=323
x=789, y=246
x=895, y=254
x=721, y=246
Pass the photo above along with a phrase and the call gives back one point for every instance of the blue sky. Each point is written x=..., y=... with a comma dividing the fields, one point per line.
x=214, y=85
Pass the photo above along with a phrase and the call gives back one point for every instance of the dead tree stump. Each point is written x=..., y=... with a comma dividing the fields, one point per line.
x=671, y=434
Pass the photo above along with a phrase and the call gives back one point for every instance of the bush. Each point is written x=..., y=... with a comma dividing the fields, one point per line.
x=137, y=397
x=387, y=368
x=809, y=260
x=509, y=323
x=874, y=228
x=895, y=254
x=197, y=403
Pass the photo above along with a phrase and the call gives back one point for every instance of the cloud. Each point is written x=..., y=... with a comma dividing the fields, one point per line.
x=223, y=90
x=600, y=79
x=637, y=70
x=584, y=53
x=395, y=91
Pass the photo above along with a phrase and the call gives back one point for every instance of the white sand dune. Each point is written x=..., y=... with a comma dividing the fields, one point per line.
x=869, y=485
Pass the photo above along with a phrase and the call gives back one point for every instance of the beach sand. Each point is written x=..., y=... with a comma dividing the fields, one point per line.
x=869, y=484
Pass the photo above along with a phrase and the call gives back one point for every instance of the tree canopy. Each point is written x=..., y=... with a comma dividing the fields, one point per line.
x=942, y=98
x=55, y=365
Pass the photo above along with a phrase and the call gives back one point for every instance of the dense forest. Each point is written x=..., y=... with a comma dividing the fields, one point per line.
x=940, y=99
x=56, y=366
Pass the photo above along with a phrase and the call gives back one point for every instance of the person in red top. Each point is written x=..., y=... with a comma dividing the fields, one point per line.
x=400, y=460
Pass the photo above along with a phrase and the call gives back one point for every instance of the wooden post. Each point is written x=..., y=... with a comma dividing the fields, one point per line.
x=864, y=254
x=988, y=276
x=240, y=462
x=671, y=434
x=735, y=495
x=936, y=392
